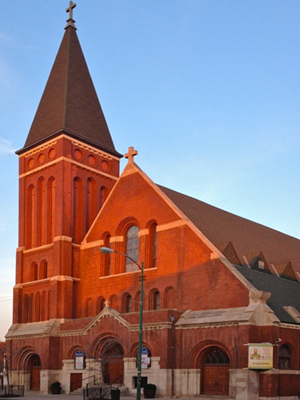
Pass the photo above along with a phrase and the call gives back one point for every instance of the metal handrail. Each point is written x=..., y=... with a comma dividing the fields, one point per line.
x=81, y=380
x=121, y=376
x=94, y=383
x=12, y=390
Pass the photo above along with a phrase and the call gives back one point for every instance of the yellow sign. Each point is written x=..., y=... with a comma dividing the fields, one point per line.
x=260, y=356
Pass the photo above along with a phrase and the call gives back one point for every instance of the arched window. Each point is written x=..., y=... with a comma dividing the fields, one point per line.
x=107, y=257
x=25, y=309
x=90, y=202
x=100, y=304
x=43, y=306
x=48, y=306
x=89, y=308
x=37, y=316
x=132, y=248
x=77, y=210
x=154, y=300
x=137, y=301
x=30, y=217
x=43, y=270
x=102, y=195
x=126, y=303
x=40, y=239
x=33, y=271
x=50, y=209
x=30, y=308
x=113, y=302
x=284, y=357
x=170, y=298
x=152, y=245
x=217, y=356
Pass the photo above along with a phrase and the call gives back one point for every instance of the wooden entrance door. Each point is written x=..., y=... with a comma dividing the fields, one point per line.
x=35, y=378
x=35, y=372
x=114, y=370
x=113, y=364
x=216, y=380
x=75, y=381
x=216, y=374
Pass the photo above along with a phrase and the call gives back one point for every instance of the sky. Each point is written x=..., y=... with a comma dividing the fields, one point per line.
x=208, y=92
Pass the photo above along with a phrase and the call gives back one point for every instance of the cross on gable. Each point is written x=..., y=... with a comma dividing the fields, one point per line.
x=69, y=10
x=107, y=303
x=131, y=153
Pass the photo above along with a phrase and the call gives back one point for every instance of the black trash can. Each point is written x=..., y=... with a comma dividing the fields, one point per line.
x=115, y=394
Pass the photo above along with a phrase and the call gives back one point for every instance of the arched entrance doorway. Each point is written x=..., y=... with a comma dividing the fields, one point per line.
x=112, y=363
x=34, y=367
x=215, y=375
x=30, y=364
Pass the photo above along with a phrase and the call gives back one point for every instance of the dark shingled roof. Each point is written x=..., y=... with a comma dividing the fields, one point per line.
x=69, y=103
x=283, y=292
x=247, y=237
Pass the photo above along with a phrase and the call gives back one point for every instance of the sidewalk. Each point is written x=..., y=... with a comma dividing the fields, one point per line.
x=31, y=395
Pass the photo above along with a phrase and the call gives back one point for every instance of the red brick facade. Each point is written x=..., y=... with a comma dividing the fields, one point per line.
x=199, y=310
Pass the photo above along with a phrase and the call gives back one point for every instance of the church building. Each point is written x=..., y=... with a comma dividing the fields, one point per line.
x=221, y=301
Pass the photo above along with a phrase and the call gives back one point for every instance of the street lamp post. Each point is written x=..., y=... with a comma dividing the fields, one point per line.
x=106, y=250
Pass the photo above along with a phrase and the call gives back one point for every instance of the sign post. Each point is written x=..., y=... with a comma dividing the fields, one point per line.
x=79, y=360
x=260, y=356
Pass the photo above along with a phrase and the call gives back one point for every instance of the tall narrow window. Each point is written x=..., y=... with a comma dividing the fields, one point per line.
x=48, y=306
x=284, y=357
x=155, y=303
x=77, y=210
x=43, y=306
x=25, y=309
x=137, y=301
x=90, y=202
x=89, y=308
x=126, y=306
x=40, y=234
x=100, y=304
x=30, y=217
x=50, y=209
x=170, y=298
x=132, y=248
x=37, y=315
x=43, y=270
x=33, y=271
x=113, y=302
x=153, y=245
x=107, y=257
x=30, y=308
x=102, y=195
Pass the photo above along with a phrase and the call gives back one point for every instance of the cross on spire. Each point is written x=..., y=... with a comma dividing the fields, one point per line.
x=70, y=20
x=131, y=153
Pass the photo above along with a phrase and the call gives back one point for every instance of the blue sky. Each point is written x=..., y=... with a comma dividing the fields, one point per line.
x=206, y=91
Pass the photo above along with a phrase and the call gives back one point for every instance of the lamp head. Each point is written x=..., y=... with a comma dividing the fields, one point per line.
x=106, y=250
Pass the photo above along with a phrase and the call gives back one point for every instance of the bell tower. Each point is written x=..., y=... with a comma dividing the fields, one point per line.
x=67, y=168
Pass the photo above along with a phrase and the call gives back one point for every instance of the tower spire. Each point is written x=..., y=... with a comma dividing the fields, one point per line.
x=70, y=20
x=69, y=103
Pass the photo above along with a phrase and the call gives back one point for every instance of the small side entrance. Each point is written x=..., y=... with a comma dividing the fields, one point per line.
x=35, y=372
x=75, y=381
x=216, y=373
